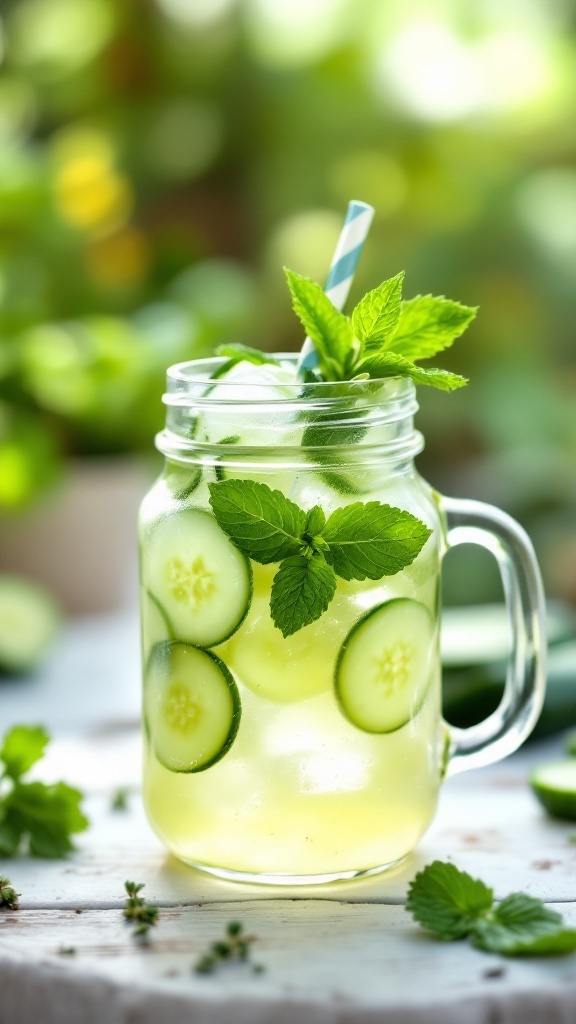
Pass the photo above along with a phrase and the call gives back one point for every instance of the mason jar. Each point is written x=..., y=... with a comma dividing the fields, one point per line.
x=318, y=755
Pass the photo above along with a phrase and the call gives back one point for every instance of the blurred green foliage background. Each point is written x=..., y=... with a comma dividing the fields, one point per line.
x=160, y=160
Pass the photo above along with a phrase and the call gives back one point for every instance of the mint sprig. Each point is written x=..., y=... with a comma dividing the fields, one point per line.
x=34, y=817
x=385, y=336
x=360, y=541
x=454, y=905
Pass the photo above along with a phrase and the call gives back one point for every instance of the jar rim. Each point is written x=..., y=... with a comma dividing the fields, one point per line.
x=190, y=373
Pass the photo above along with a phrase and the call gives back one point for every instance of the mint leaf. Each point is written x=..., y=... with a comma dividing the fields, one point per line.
x=370, y=540
x=377, y=314
x=244, y=353
x=43, y=817
x=390, y=364
x=263, y=523
x=522, y=925
x=23, y=746
x=34, y=818
x=427, y=325
x=315, y=521
x=330, y=330
x=447, y=901
x=302, y=590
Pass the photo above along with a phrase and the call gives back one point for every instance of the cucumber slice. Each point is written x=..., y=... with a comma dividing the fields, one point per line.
x=191, y=707
x=155, y=625
x=183, y=481
x=202, y=582
x=480, y=634
x=555, y=786
x=29, y=621
x=291, y=669
x=383, y=667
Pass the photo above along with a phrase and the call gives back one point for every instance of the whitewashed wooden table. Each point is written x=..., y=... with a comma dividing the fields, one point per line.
x=346, y=954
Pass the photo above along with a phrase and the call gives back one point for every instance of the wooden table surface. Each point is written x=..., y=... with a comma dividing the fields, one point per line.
x=344, y=954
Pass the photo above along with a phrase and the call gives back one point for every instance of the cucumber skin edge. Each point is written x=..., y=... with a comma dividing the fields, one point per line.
x=221, y=640
x=342, y=651
x=236, y=710
x=559, y=805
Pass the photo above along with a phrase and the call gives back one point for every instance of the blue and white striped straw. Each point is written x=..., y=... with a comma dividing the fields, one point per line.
x=344, y=262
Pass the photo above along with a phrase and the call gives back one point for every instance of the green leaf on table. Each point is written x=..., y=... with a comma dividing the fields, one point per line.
x=523, y=926
x=428, y=324
x=329, y=329
x=8, y=894
x=238, y=353
x=263, y=523
x=22, y=747
x=376, y=315
x=368, y=540
x=42, y=817
x=301, y=591
x=447, y=901
x=390, y=364
x=34, y=818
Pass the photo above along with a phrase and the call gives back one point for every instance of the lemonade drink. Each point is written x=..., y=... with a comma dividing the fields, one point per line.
x=315, y=755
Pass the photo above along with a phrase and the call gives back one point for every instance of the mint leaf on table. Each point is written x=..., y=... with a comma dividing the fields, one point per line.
x=22, y=747
x=8, y=894
x=34, y=817
x=376, y=315
x=428, y=324
x=523, y=926
x=447, y=901
x=390, y=364
x=44, y=817
x=329, y=329
x=301, y=591
x=370, y=540
x=263, y=523
x=244, y=353
x=454, y=905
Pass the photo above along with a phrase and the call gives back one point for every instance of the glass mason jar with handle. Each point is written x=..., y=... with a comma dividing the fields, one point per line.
x=316, y=755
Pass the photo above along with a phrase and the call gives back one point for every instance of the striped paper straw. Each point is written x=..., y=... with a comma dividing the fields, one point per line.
x=344, y=262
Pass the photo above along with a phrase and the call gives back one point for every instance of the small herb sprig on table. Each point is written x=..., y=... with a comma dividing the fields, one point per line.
x=137, y=912
x=454, y=905
x=8, y=894
x=364, y=540
x=235, y=947
x=34, y=818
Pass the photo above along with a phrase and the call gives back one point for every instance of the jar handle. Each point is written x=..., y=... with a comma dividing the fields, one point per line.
x=473, y=522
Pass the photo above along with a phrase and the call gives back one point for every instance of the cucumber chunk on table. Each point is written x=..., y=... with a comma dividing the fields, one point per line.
x=555, y=786
x=384, y=666
x=29, y=621
x=191, y=707
x=201, y=580
x=480, y=634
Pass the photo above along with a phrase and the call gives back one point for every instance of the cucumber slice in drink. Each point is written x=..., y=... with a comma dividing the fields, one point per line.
x=384, y=666
x=555, y=786
x=202, y=582
x=292, y=668
x=29, y=621
x=155, y=625
x=183, y=481
x=191, y=707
